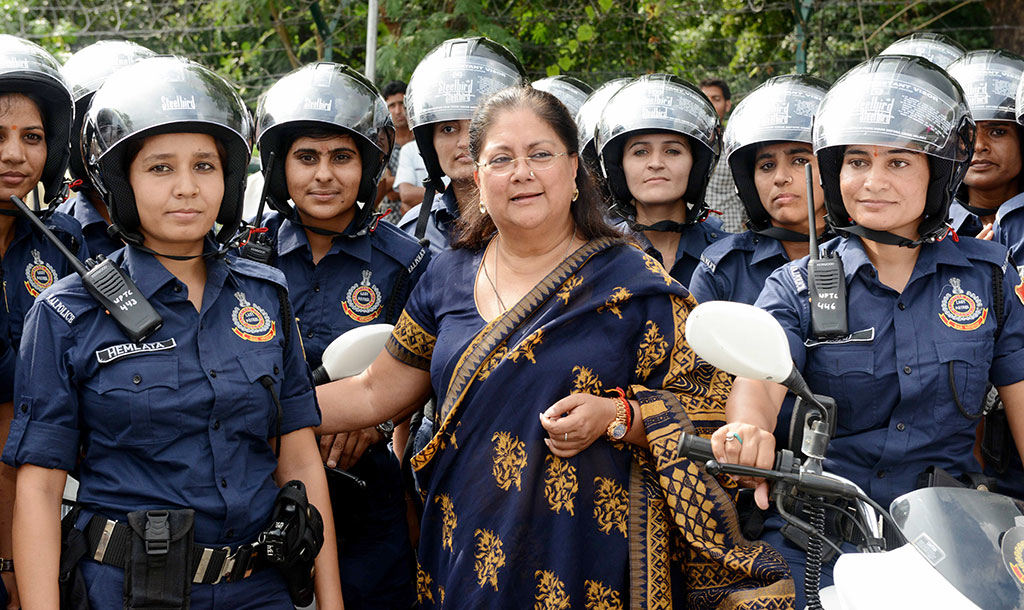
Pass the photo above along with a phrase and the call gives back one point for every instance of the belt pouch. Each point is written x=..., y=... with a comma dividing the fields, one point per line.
x=159, y=571
x=997, y=441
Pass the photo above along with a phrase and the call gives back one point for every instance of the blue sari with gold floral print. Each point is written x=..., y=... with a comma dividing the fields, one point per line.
x=507, y=524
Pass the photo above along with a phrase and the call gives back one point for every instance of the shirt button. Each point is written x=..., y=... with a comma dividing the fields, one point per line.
x=316, y=287
x=177, y=288
x=309, y=334
x=223, y=482
x=137, y=379
x=901, y=426
x=880, y=474
x=901, y=305
x=24, y=408
x=216, y=425
x=907, y=370
x=230, y=533
x=213, y=373
x=277, y=371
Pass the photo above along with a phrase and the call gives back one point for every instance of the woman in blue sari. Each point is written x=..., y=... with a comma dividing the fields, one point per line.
x=556, y=350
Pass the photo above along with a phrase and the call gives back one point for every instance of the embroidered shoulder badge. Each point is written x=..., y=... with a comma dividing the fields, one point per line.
x=39, y=275
x=251, y=321
x=363, y=301
x=962, y=310
x=1019, y=288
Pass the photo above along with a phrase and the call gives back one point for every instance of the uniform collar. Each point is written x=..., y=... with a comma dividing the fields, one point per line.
x=929, y=257
x=766, y=248
x=85, y=212
x=448, y=203
x=1013, y=203
x=150, y=276
x=291, y=237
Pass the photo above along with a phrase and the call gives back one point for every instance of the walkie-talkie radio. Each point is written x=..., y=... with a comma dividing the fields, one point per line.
x=825, y=280
x=259, y=246
x=108, y=283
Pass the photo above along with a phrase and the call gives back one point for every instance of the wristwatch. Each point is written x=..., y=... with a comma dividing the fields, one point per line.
x=387, y=429
x=620, y=425
x=6, y=565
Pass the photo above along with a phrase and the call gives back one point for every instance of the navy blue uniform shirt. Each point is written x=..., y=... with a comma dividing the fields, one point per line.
x=31, y=265
x=692, y=243
x=94, y=226
x=181, y=421
x=1008, y=228
x=964, y=222
x=441, y=227
x=363, y=279
x=891, y=376
x=736, y=267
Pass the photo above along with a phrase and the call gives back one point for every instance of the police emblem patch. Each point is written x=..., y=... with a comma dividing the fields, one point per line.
x=363, y=301
x=251, y=321
x=39, y=274
x=962, y=310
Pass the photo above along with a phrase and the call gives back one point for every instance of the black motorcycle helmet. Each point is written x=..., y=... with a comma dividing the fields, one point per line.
x=587, y=117
x=656, y=103
x=450, y=82
x=904, y=102
x=780, y=110
x=164, y=94
x=939, y=49
x=989, y=79
x=27, y=68
x=84, y=72
x=570, y=91
x=318, y=97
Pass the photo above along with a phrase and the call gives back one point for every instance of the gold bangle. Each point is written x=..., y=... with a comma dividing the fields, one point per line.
x=6, y=565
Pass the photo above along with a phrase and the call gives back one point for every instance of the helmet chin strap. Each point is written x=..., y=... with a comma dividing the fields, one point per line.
x=117, y=233
x=666, y=226
x=782, y=234
x=884, y=237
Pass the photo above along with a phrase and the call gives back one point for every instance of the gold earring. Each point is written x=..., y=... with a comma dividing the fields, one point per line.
x=483, y=210
x=575, y=194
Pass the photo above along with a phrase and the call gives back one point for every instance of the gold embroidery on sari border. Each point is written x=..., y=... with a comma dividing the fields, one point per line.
x=600, y=597
x=492, y=362
x=526, y=347
x=651, y=352
x=776, y=596
x=497, y=332
x=509, y=456
x=650, y=580
x=423, y=584
x=615, y=301
x=585, y=380
x=657, y=268
x=489, y=558
x=551, y=593
x=611, y=506
x=705, y=387
x=410, y=343
x=560, y=484
x=449, y=521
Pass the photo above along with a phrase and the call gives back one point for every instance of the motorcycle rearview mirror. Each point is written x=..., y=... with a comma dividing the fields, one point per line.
x=746, y=341
x=353, y=351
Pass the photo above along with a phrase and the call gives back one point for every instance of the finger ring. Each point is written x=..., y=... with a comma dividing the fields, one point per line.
x=566, y=437
x=732, y=435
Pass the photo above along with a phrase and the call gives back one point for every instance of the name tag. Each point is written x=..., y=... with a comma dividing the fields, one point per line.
x=861, y=336
x=127, y=350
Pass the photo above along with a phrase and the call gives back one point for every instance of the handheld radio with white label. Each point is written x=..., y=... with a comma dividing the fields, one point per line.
x=259, y=246
x=108, y=283
x=825, y=280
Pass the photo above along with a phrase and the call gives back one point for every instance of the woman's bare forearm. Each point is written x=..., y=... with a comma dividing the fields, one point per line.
x=37, y=535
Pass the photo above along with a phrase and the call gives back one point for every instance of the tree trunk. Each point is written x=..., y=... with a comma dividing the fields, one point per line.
x=1007, y=32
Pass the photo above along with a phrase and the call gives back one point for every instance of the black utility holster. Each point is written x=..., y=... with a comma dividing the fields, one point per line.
x=159, y=571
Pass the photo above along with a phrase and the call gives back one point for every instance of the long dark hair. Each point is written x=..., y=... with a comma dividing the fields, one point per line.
x=587, y=211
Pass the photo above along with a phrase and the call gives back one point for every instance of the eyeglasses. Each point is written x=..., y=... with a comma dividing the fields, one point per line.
x=502, y=165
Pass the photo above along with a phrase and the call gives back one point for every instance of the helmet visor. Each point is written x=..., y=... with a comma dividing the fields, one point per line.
x=989, y=80
x=450, y=88
x=779, y=110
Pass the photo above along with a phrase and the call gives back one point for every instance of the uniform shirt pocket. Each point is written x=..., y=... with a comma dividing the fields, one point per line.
x=139, y=400
x=847, y=374
x=963, y=365
x=260, y=409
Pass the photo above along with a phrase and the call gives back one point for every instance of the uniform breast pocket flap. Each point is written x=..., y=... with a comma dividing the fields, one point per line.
x=847, y=374
x=966, y=364
x=149, y=385
x=260, y=409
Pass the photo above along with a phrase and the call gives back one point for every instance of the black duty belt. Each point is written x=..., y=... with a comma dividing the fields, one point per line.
x=110, y=543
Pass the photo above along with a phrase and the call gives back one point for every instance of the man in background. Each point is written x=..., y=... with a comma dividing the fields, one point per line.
x=721, y=194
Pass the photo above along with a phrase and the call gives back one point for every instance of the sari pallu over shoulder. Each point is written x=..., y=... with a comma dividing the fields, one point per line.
x=509, y=525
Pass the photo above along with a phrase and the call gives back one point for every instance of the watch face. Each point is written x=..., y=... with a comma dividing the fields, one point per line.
x=387, y=427
x=619, y=431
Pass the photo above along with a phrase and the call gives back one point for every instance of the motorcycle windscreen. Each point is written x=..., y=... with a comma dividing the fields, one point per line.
x=975, y=539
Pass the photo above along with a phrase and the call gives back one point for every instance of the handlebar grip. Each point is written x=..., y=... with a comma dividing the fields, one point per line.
x=695, y=448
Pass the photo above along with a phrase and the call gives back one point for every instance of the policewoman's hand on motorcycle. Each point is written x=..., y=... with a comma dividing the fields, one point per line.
x=748, y=445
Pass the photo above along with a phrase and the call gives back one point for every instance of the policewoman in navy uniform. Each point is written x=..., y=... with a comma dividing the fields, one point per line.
x=444, y=91
x=35, y=123
x=212, y=413
x=85, y=71
x=931, y=320
x=659, y=139
x=767, y=144
x=330, y=134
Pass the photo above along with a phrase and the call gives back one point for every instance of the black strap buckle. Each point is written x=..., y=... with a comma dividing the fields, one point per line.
x=241, y=563
x=158, y=533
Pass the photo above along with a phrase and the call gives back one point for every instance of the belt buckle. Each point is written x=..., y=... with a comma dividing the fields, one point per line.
x=240, y=564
